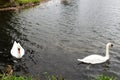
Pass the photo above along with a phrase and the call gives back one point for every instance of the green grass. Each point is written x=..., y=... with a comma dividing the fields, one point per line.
x=13, y=77
x=103, y=77
x=27, y=1
x=48, y=77
x=18, y=3
x=5, y=76
x=52, y=77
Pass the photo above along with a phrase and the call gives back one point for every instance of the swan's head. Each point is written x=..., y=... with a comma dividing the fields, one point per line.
x=109, y=45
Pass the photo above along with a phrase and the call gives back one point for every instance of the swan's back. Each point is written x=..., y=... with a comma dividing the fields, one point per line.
x=93, y=59
x=14, y=49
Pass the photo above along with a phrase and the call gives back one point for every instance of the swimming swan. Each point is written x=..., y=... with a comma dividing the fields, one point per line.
x=95, y=59
x=17, y=51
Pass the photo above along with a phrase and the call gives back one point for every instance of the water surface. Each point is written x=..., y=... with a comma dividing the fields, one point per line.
x=55, y=34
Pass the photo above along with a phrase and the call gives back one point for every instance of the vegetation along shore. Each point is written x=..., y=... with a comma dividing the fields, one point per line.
x=18, y=4
x=48, y=77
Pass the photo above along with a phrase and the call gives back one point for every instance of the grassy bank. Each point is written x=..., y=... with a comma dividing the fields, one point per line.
x=103, y=77
x=48, y=77
x=18, y=4
x=22, y=2
x=13, y=77
x=27, y=1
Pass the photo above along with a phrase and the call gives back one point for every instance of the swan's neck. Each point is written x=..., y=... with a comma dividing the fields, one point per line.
x=107, y=52
x=19, y=50
x=19, y=53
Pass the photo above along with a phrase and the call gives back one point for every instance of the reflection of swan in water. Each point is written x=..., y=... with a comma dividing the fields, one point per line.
x=66, y=2
x=17, y=51
x=95, y=59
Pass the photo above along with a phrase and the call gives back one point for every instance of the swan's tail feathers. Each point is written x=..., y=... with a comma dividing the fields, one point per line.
x=80, y=60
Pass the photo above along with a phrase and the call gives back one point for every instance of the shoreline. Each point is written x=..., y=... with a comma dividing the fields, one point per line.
x=27, y=5
x=18, y=7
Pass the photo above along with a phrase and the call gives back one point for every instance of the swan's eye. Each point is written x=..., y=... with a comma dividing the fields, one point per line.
x=111, y=45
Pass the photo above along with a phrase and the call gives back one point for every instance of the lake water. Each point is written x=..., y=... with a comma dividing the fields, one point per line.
x=55, y=34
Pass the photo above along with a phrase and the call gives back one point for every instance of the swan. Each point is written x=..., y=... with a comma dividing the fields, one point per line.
x=96, y=59
x=17, y=51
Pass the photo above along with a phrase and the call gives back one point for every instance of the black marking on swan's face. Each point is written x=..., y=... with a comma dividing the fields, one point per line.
x=111, y=45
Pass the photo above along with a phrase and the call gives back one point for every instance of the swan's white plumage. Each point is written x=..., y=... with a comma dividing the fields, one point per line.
x=95, y=59
x=14, y=50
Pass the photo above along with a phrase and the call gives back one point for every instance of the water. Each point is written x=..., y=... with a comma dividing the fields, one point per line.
x=54, y=34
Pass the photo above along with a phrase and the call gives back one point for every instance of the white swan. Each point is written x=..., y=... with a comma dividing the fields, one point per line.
x=17, y=51
x=95, y=59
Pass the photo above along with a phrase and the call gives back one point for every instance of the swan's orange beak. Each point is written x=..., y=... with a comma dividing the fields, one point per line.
x=19, y=50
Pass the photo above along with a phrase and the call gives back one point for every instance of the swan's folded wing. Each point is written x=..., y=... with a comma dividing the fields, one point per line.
x=93, y=59
x=14, y=49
